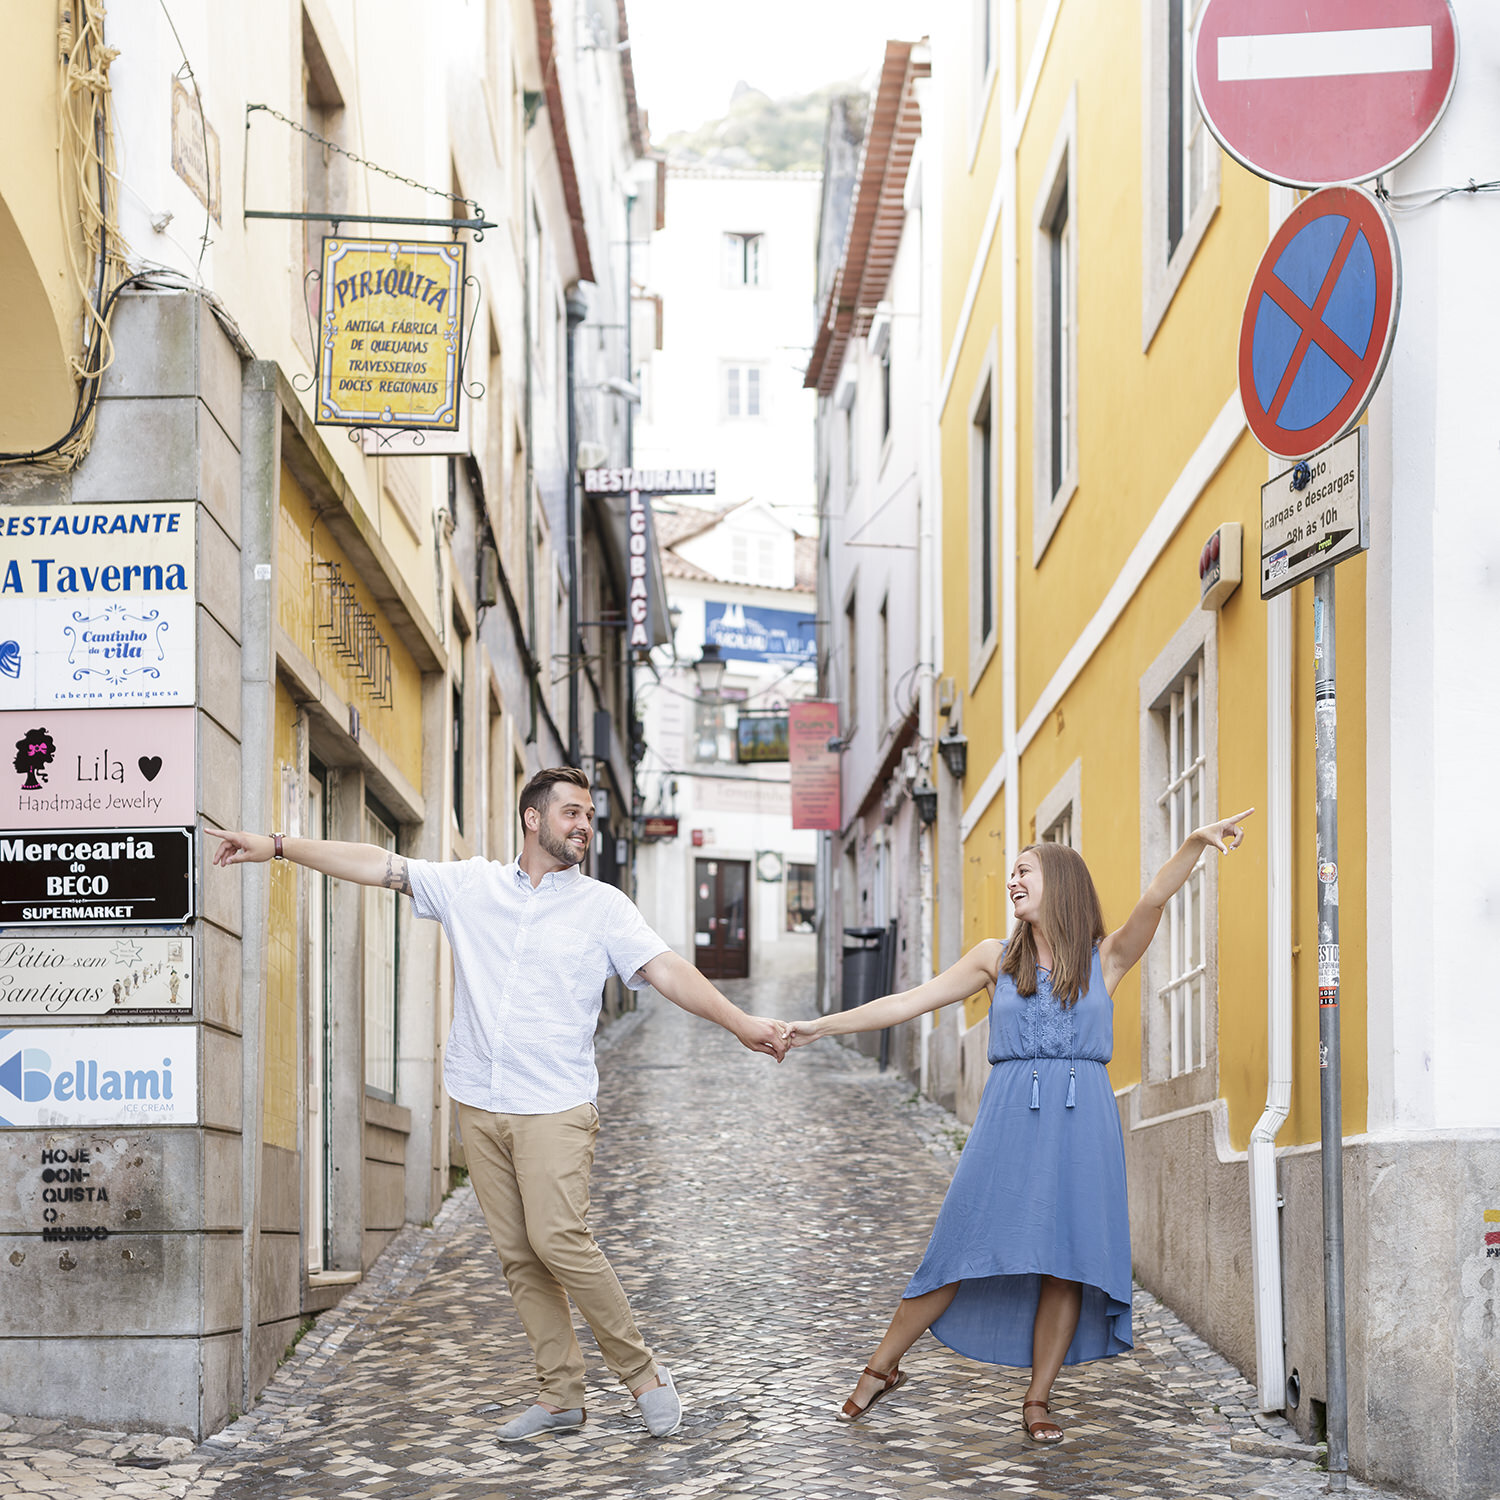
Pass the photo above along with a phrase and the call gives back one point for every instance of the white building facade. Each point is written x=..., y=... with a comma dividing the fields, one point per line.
x=733, y=887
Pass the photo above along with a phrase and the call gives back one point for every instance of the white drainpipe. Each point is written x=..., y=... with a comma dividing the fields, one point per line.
x=928, y=501
x=1265, y=1197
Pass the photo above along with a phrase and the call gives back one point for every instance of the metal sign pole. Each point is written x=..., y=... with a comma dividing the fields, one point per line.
x=1325, y=695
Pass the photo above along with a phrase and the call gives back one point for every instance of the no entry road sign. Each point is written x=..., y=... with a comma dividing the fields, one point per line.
x=1314, y=92
x=1319, y=321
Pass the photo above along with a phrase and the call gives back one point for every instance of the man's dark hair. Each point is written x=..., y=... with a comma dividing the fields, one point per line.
x=537, y=792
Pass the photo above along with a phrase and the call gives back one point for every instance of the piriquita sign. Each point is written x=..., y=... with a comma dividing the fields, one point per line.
x=96, y=605
x=389, y=334
x=98, y=1075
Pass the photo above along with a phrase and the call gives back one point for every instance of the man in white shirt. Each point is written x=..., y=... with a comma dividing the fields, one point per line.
x=533, y=943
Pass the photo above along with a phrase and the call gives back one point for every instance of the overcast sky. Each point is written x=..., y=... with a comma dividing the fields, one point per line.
x=689, y=54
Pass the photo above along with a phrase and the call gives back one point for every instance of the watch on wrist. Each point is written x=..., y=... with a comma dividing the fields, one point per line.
x=276, y=849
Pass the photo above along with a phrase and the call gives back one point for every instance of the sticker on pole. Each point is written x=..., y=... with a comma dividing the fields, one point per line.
x=1312, y=517
x=1319, y=322
x=1314, y=92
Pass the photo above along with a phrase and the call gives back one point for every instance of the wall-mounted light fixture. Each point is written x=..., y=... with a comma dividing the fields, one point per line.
x=954, y=748
x=926, y=798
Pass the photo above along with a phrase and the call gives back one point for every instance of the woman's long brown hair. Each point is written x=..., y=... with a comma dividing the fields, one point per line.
x=1071, y=919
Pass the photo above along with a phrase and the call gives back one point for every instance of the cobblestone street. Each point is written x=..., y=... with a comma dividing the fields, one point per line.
x=764, y=1220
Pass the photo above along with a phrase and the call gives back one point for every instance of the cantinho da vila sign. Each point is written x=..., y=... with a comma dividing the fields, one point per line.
x=96, y=605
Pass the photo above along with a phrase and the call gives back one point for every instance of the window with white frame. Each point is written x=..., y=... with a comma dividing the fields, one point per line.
x=1055, y=349
x=1182, y=995
x=983, y=529
x=739, y=555
x=1059, y=815
x=984, y=35
x=744, y=259
x=742, y=390
x=380, y=970
x=1181, y=170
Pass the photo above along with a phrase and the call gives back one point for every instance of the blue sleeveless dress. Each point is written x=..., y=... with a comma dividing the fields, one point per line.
x=1040, y=1186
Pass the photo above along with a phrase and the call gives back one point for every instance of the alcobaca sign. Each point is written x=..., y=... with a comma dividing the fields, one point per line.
x=390, y=334
x=639, y=598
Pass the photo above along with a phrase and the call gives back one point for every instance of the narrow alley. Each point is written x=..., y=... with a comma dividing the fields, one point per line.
x=764, y=1220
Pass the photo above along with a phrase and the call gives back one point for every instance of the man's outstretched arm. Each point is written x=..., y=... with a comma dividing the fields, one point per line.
x=365, y=864
x=682, y=984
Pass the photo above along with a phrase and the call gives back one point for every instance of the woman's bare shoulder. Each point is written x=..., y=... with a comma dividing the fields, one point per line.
x=987, y=954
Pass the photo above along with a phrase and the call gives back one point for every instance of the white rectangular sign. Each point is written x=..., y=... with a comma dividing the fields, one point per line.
x=98, y=1075
x=1315, y=515
x=44, y=975
x=96, y=605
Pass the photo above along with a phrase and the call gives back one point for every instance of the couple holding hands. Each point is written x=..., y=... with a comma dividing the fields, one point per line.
x=1029, y=1261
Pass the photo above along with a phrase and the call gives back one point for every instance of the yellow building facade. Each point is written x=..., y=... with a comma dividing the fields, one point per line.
x=1097, y=248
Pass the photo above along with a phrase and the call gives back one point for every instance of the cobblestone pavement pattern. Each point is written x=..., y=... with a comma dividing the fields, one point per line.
x=763, y=1220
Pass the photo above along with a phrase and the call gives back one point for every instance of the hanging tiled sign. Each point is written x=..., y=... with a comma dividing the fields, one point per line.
x=96, y=768
x=96, y=605
x=390, y=330
x=43, y=975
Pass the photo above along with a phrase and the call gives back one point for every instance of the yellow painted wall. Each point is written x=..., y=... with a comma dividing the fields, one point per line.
x=279, y=1107
x=397, y=729
x=1141, y=415
x=39, y=306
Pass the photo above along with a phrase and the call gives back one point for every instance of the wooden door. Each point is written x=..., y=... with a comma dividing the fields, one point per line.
x=721, y=918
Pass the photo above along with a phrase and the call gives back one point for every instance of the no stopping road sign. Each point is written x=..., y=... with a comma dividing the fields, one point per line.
x=1319, y=321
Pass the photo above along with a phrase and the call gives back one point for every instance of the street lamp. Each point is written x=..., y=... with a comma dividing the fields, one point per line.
x=710, y=668
x=954, y=749
x=926, y=798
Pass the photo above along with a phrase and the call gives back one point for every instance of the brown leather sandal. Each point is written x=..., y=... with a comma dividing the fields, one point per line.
x=852, y=1413
x=1039, y=1431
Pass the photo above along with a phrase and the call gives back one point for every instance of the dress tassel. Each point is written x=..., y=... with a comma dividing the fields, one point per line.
x=1072, y=1090
x=1036, y=1099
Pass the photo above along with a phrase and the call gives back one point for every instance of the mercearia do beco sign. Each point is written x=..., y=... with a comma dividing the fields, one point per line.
x=89, y=875
x=390, y=334
x=96, y=606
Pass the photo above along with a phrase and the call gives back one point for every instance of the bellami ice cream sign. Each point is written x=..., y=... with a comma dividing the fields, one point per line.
x=98, y=1075
x=96, y=605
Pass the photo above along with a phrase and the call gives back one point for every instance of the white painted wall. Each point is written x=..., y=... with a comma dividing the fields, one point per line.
x=1433, y=714
x=709, y=325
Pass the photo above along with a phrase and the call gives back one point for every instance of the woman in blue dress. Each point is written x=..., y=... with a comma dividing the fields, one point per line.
x=1029, y=1261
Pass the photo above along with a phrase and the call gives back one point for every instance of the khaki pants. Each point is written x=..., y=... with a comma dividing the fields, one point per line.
x=531, y=1176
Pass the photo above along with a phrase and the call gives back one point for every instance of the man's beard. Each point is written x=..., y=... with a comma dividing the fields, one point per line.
x=560, y=849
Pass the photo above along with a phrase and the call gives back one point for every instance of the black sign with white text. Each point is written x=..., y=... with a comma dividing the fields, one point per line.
x=96, y=875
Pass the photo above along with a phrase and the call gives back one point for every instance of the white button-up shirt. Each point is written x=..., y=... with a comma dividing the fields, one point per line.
x=529, y=969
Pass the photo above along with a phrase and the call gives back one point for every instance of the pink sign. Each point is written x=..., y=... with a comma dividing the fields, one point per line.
x=97, y=767
x=814, y=767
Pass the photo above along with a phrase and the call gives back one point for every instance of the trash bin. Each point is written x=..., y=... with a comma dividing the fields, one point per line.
x=864, y=966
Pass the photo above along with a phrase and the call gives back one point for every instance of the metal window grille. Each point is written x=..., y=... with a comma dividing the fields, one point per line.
x=1183, y=999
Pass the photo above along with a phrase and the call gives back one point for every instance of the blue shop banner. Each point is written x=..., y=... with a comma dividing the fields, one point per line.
x=745, y=633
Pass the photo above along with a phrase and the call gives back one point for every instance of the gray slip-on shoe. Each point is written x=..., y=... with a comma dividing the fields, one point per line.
x=537, y=1421
x=661, y=1406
